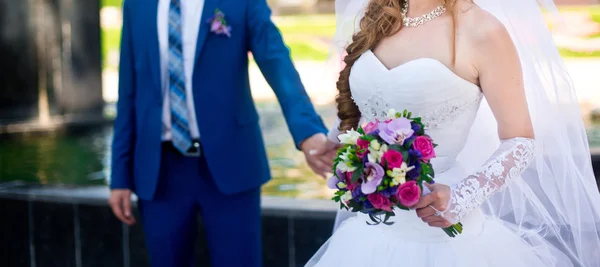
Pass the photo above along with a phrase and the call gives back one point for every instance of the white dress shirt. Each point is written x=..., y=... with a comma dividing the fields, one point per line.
x=191, y=14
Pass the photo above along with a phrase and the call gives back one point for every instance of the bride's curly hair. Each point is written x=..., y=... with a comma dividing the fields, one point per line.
x=382, y=18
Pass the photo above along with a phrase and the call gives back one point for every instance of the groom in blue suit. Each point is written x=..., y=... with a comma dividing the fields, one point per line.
x=187, y=138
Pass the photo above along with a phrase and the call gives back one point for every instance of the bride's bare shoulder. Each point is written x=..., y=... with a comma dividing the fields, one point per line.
x=480, y=26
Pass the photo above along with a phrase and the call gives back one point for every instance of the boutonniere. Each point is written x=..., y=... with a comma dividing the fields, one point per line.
x=218, y=24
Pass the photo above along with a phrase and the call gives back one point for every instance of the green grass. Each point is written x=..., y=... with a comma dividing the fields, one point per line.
x=308, y=36
x=111, y=41
x=593, y=11
x=302, y=50
x=114, y=3
x=566, y=53
x=315, y=25
x=301, y=34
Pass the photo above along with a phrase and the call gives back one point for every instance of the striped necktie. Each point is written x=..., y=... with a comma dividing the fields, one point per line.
x=180, y=130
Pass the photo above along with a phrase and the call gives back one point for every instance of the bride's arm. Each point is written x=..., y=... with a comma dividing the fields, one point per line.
x=501, y=80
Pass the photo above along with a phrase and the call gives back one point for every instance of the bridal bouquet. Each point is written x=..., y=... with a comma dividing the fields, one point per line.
x=382, y=166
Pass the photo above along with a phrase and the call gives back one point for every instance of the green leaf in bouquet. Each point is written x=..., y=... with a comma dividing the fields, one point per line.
x=405, y=113
x=368, y=138
x=388, y=215
x=361, y=130
x=408, y=145
x=398, y=148
x=426, y=169
x=374, y=219
x=404, y=155
x=409, y=115
x=357, y=173
x=402, y=207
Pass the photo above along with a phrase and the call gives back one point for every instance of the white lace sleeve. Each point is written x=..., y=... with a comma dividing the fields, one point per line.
x=334, y=132
x=506, y=164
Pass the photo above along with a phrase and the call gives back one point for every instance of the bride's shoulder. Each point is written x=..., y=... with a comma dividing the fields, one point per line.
x=479, y=26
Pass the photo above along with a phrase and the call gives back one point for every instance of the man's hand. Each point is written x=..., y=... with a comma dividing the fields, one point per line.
x=319, y=153
x=120, y=203
x=435, y=201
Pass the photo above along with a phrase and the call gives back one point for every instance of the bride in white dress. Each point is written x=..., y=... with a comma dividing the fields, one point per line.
x=513, y=163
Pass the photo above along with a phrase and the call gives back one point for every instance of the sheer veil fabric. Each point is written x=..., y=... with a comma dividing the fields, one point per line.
x=556, y=203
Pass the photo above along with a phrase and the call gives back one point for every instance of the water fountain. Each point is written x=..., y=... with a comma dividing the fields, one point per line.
x=50, y=65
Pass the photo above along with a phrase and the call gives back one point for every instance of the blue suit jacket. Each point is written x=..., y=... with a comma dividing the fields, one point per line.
x=227, y=118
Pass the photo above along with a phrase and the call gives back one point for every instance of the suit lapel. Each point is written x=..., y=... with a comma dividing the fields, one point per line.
x=208, y=11
x=153, y=48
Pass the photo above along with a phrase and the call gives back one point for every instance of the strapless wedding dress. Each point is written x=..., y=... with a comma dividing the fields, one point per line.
x=448, y=105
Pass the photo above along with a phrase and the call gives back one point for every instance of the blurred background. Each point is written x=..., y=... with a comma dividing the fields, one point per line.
x=59, y=74
x=70, y=90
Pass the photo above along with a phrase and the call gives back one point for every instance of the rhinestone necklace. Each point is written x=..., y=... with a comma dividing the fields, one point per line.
x=418, y=21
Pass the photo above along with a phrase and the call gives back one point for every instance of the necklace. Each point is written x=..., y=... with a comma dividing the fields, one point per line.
x=418, y=21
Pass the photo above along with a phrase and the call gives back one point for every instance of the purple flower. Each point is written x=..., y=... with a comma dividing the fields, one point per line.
x=367, y=204
x=374, y=175
x=415, y=127
x=215, y=25
x=410, y=139
x=218, y=24
x=332, y=182
x=389, y=192
x=370, y=127
x=357, y=194
x=414, y=160
x=395, y=131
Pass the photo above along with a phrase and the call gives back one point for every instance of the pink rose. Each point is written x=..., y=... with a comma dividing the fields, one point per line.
x=392, y=158
x=424, y=145
x=409, y=193
x=380, y=202
x=349, y=184
x=363, y=147
x=371, y=126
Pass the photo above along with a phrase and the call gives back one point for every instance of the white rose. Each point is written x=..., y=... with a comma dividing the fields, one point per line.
x=350, y=137
x=375, y=144
x=391, y=114
x=345, y=167
x=346, y=197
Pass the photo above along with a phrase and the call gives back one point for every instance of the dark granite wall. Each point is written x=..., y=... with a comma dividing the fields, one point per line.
x=52, y=48
x=69, y=227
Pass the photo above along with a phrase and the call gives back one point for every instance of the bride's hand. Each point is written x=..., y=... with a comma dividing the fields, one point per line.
x=430, y=204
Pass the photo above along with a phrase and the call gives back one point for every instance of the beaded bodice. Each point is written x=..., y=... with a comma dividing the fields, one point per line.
x=447, y=103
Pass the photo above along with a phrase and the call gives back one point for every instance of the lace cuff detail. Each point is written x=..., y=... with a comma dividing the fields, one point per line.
x=506, y=164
